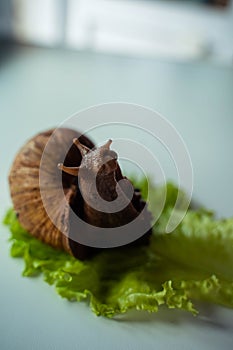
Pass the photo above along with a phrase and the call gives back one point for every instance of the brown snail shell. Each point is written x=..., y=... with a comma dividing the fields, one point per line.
x=26, y=189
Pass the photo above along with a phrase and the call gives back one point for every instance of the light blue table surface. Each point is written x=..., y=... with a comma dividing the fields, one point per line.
x=39, y=88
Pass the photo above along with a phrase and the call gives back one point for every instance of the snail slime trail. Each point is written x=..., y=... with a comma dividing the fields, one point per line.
x=80, y=162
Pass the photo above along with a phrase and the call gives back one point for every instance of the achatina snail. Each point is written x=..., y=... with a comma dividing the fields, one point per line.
x=26, y=188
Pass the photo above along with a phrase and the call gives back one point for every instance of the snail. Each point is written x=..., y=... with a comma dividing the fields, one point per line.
x=56, y=156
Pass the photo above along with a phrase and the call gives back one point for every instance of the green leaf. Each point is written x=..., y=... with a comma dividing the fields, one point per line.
x=194, y=262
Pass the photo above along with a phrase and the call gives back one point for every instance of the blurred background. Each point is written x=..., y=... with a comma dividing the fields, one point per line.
x=175, y=57
x=181, y=30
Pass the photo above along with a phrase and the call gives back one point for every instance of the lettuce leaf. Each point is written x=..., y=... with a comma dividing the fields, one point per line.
x=192, y=263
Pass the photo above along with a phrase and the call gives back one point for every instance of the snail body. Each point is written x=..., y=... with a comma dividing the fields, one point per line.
x=66, y=158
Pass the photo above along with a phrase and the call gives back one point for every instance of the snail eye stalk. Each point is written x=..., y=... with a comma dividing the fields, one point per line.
x=68, y=170
x=82, y=149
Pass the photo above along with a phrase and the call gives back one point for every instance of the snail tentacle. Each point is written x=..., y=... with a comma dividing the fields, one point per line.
x=83, y=149
x=107, y=144
x=69, y=170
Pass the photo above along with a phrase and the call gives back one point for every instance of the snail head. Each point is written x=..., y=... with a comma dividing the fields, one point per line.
x=99, y=161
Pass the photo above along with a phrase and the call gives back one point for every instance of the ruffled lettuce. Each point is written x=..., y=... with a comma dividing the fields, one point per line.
x=192, y=263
